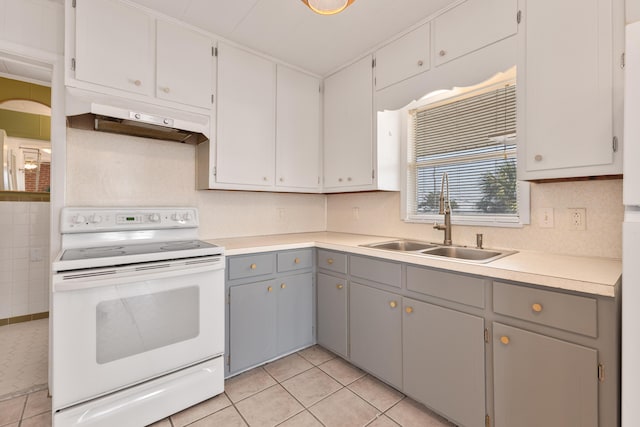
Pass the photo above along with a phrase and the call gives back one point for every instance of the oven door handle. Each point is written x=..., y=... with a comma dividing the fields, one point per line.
x=81, y=280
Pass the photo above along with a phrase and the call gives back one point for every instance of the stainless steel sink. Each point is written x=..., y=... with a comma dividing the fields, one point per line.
x=432, y=249
x=468, y=254
x=402, y=245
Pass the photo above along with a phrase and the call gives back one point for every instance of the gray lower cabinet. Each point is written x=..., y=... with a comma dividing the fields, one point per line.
x=375, y=325
x=332, y=313
x=543, y=381
x=443, y=354
x=295, y=312
x=253, y=324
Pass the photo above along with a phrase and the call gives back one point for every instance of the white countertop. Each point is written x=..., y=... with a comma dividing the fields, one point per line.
x=597, y=276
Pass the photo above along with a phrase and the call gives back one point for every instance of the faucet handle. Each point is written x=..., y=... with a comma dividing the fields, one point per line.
x=479, y=240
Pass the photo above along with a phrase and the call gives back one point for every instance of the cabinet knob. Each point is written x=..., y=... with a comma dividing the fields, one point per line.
x=166, y=89
x=442, y=52
x=409, y=310
x=297, y=260
x=349, y=179
x=538, y=158
x=339, y=286
x=536, y=307
x=339, y=179
x=253, y=266
x=330, y=261
x=283, y=285
x=504, y=339
x=281, y=179
x=270, y=288
x=393, y=304
x=137, y=82
x=264, y=178
x=420, y=63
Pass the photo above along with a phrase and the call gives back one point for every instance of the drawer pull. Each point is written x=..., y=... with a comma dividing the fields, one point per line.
x=536, y=307
x=329, y=261
x=269, y=289
x=393, y=304
x=338, y=286
x=283, y=285
x=253, y=266
x=409, y=310
x=297, y=260
x=504, y=340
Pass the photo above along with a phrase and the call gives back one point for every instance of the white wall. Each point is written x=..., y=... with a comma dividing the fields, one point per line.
x=37, y=24
x=113, y=170
x=24, y=260
x=379, y=214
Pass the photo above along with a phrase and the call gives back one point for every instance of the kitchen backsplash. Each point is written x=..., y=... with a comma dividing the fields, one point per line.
x=114, y=170
x=379, y=214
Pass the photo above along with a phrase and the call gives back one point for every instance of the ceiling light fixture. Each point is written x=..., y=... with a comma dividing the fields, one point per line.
x=327, y=7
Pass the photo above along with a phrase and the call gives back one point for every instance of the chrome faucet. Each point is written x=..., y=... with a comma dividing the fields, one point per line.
x=445, y=209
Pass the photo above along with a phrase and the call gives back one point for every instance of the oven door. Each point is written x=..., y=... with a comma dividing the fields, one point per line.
x=115, y=327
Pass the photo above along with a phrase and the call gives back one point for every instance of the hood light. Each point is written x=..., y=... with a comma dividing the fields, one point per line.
x=327, y=7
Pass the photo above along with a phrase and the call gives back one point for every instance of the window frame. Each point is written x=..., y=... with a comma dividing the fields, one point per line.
x=523, y=188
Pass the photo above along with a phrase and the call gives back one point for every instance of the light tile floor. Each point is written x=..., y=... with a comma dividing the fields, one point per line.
x=311, y=388
x=23, y=357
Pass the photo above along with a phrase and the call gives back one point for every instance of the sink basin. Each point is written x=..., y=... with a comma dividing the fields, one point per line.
x=402, y=245
x=469, y=254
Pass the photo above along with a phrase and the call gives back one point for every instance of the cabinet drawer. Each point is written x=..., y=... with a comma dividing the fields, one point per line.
x=453, y=287
x=334, y=261
x=252, y=265
x=295, y=260
x=377, y=270
x=569, y=312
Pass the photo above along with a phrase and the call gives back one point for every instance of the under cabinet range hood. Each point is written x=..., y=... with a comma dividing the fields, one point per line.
x=105, y=113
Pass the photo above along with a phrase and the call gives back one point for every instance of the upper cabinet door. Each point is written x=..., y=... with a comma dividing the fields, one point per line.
x=185, y=60
x=403, y=58
x=246, y=118
x=472, y=25
x=348, y=126
x=297, y=130
x=115, y=46
x=565, y=87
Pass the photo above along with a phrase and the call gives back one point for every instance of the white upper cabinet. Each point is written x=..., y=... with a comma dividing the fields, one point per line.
x=297, y=130
x=246, y=118
x=403, y=58
x=472, y=25
x=566, y=89
x=142, y=55
x=184, y=65
x=122, y=58
x=348, y=128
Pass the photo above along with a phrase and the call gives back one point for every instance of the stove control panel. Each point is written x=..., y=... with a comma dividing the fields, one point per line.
x=89, y=220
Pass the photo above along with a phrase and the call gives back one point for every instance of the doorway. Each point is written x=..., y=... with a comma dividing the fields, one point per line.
x=25, y=218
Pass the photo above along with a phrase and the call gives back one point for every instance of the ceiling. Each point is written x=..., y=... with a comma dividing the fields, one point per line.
x=289, y=31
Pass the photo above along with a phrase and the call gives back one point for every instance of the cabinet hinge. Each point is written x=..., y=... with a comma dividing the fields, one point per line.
x=601, y=372
x=318, y=180
x=373, y=173
x=519, y=16
x=215, y=173
x=614, y=144
x=213, y=99
x=373, y=63
x=622, y=60
x=486, y=335
x=228, y=360
x=487, y=421
x=73, y=64
x=73, y=3
x=214, y=51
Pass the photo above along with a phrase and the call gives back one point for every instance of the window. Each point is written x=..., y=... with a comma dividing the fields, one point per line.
x=472, y=137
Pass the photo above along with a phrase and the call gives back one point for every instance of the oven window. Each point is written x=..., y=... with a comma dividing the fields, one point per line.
x=129, y=326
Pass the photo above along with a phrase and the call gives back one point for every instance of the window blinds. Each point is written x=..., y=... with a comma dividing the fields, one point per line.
x=472, y=138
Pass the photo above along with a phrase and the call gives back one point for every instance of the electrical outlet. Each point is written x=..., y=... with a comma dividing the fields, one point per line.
x=546, y=218
x=356, y=213
x=578, y=218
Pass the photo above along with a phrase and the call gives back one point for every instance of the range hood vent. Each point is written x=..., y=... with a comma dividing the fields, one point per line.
x=105, y=113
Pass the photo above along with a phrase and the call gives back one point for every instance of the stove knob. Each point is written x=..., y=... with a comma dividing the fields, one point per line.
x=79, y=219
x=154, y=217
x=95, y=219
x=187, y=216
x=176, y=217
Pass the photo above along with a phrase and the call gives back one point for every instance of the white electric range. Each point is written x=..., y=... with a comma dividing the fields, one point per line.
x=137, y=316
